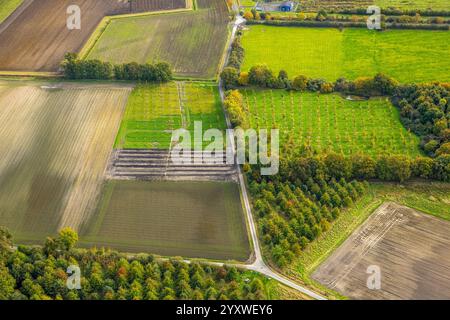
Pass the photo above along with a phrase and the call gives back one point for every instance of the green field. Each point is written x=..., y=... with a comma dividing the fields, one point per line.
x=153, y=111
x=192, y=42
x=330, y=122
x=406, y=55
x=414, y=4
x=7, y=7
x=429, y=197
x=191, y=219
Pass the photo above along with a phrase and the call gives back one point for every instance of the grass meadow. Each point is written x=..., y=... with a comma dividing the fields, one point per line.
x=330, y=122
x=406, y=55
x=193, y=42
x=190, y=219
x=154, y=111
x=314, y=5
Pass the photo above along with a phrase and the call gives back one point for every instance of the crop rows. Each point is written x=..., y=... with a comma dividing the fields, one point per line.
x=329, y=122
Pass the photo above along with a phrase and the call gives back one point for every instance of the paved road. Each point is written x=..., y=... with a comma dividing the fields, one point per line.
x=258, y=264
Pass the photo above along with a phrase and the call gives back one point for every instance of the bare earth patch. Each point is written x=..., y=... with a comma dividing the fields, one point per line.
x=411, y=249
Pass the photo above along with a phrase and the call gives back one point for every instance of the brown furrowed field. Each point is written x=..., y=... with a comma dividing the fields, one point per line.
x=54, y=143
x=38, y=38
x=409, y=247
x=190, y=219
x=193, y=42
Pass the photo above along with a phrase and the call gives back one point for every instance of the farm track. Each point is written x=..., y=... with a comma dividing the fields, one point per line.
x=156, y=164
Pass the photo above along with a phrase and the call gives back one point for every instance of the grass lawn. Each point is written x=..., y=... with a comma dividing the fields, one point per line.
x=192, y=42
x=190, y=219
x=330, y=122
x=7, y=7
x=406, y=55
x=153, y=111
x=429, y=197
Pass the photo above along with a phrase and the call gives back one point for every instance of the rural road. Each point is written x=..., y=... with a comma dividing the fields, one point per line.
x=258, y=265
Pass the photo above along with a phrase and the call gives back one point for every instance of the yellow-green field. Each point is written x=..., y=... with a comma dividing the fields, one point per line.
x=7, y=7
x=406, y=55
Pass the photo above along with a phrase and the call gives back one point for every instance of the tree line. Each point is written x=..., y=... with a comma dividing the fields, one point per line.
x=76, y=69
x=39, y=273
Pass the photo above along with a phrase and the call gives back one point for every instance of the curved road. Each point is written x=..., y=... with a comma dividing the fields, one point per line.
x=258, y=265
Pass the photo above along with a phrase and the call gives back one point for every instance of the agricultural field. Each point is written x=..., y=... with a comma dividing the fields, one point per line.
x=7, y=7
x=330, y=122
x=42, y=46
x=406, y=55
x=432, y=198
x=154, y=111
x=193, y=42
x=190, y=219
x=156, y=5
x=410, y=249
x=314, y=5
x=55, y=141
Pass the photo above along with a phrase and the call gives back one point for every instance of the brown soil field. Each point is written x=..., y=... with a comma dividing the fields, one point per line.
x=55, y=141
x=410, y=248
x=38, y=38
x=156, y=5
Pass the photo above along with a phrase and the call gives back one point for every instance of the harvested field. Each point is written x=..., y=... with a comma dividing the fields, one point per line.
x=190, y=219
x=192, y=42
x=38, y=38
x=410, y=248
x=156, y=5
x=329, y=122
x=55, y=141
x=154, y=111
